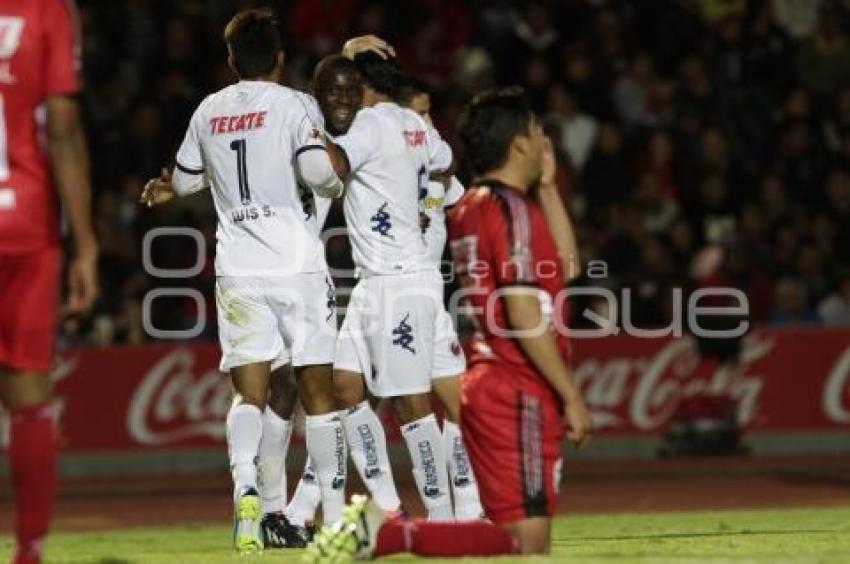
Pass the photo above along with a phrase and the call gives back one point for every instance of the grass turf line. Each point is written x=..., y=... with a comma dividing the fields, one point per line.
x=778, y=535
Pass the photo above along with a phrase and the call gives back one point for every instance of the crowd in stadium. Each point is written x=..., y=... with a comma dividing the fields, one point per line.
x=716, y=130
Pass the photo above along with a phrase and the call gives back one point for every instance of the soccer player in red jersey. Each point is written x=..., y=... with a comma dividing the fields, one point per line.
x=41, y=139
x=513, y=252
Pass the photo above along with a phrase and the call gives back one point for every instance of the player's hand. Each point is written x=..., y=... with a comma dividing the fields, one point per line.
x=158, y=190
x=83, y=287
x=364, y=43
x=578, y=422
x=549, y=165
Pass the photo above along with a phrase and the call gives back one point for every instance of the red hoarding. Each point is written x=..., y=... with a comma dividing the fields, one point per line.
x=172, y=395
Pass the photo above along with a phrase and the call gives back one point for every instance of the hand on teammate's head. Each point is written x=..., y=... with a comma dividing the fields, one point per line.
x=364, y=43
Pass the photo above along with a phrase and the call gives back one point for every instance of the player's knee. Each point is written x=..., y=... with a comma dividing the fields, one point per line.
x=348, y=388
x=315, y=389
x=23, y=390
x=282, y=393
x=413, y=407
x=252, y=398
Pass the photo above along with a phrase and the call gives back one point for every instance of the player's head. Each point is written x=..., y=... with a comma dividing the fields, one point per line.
x=500, y=132
x=382, y=78
x=339, y=91
x=416, y=95
x=253, y=42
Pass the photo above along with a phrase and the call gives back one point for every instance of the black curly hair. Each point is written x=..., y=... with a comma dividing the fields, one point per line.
x=489, y=123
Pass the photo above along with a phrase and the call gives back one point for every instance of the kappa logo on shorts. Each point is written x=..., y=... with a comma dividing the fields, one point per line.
x=403, y=334
x=331, y=295
x=381, y=222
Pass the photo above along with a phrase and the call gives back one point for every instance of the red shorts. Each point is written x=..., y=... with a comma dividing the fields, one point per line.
x=29, y=302
x=514, y=439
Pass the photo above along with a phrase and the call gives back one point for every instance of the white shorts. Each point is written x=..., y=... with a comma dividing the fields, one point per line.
x=449, y=359
x=389, y=332
x=263, y=319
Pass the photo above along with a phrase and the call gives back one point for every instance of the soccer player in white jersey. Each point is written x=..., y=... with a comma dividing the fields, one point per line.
x=449, y=360
x=334, y=79
x=390, y=153
x=252, y=143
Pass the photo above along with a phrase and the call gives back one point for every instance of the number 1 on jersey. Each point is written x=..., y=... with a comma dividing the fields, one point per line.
x=239, y=145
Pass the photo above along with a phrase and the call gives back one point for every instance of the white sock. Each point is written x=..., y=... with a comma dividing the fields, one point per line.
x=306, y=499
x=244, y=431
x=429, y=466
x=464, y=487
x=326, y=446
x=272, y=464
x=367, y=444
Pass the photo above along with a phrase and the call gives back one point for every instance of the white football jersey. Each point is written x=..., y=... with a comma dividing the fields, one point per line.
x=441, y=195
x=392, y=153
x=244, y=139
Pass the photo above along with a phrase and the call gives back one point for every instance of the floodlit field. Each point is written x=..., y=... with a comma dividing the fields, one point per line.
x=782, y=535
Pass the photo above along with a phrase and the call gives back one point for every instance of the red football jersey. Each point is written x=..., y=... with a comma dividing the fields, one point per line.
x=39, y=57
x=500, y=239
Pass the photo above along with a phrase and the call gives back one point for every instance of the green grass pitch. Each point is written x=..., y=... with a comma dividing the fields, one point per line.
x=781, y=535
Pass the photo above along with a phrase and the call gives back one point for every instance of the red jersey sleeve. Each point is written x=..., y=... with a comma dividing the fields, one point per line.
x=62, y=51
x=508, y=235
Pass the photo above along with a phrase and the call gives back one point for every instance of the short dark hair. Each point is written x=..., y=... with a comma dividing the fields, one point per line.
x=253, y=38
x=489, y=124
x=411, y=88
x=331, y=65
x=382, y=75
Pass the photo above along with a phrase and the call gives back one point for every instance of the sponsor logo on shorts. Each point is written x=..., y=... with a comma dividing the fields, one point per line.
x=455, y=348
x=331, y=295
x=403, y=335
x=431, y=488
x=382, y=222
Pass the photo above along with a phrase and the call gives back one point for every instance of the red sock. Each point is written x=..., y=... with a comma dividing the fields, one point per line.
x=435, y=538
x=32, y=457
x=394, y=536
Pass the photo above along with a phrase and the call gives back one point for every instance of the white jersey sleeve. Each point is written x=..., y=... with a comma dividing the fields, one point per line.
x=189, y=157
x=309, y=125
x=453, y=193
x=439, y=152
x=362, y=141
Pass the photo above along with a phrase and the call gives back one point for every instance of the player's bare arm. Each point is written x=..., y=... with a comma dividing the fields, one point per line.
x=522, y=307
x=70, y=163
x=556, y=214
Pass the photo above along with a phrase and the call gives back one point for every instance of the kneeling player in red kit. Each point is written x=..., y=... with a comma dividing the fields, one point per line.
x=38, y=77
x=513, y=253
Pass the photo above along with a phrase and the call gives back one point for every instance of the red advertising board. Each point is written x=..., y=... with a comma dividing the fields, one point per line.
x=167, y=396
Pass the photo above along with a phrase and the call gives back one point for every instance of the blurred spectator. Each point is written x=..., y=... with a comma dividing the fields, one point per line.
x=790, y=304
x=835, y=308
x=578, y=130
x=676, y=124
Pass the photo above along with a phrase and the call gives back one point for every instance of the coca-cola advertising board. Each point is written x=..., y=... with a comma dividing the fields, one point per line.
x=167, y=396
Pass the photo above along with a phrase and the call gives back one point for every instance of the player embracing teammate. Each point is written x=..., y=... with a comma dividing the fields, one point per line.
x=513, y=251
x=253, y=143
